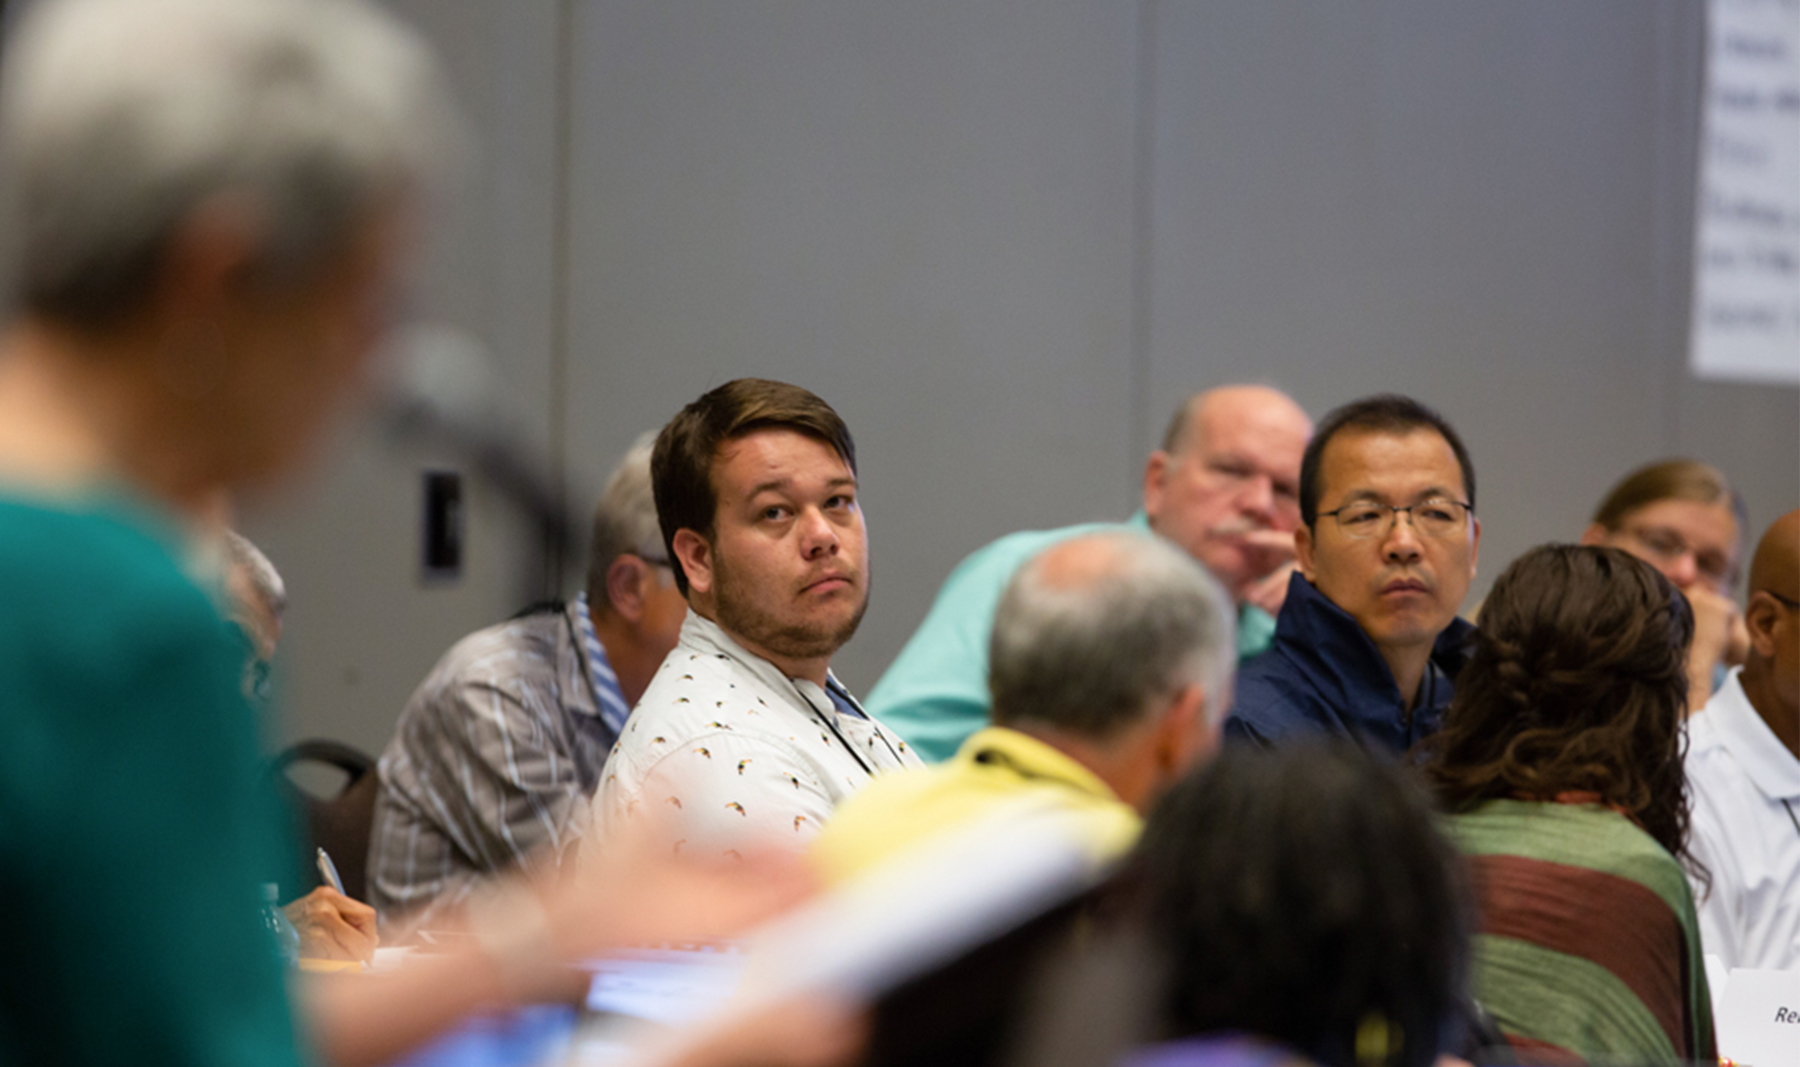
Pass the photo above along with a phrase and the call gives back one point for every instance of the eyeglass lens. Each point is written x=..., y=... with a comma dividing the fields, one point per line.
x=1435, y=518
x=1668, y=545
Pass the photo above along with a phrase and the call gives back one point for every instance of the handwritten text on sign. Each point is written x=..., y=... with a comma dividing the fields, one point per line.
x=1746, y=320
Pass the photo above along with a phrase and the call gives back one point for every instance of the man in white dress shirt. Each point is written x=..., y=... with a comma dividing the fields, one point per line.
x=1743, y=768
x=743, y=737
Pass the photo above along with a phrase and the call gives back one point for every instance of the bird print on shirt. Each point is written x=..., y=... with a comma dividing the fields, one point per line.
x=719, y=736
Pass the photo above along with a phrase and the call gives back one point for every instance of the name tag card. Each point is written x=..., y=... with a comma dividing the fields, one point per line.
x=1759, y=1020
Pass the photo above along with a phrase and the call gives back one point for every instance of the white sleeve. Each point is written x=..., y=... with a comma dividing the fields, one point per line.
x=1719, y=905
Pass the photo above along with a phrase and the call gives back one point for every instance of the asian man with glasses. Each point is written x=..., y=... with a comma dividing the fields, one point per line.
x=1368, y=640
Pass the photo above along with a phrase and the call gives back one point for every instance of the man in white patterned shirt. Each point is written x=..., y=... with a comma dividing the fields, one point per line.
x=497, y=753
x=744, y=738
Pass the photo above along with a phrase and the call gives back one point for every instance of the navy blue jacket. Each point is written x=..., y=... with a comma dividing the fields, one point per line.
x=1324, y=676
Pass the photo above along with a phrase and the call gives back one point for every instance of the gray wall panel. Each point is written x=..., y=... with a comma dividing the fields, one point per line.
x=922, y=212
x=1472, y=204
x=1752, y=432
x=362, y=629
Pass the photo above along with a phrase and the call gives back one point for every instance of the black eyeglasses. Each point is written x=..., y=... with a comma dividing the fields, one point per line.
x=1437, y=517
x=1778, y=596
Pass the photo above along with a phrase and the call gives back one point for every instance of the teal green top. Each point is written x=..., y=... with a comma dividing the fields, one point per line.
x=935, y=694
x=132, y=826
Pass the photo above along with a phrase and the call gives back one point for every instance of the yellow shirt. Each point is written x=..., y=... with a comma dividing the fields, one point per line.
x=996, y=769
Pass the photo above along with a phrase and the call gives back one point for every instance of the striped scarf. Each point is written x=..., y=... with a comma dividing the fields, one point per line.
x=1587, y=944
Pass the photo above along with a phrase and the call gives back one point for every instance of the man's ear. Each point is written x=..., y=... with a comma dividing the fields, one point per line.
x=1187, y=734
x=696, y=557
x=1760, y=618
x=1474, y=545
x=1156, y=482
x=1303, y=550
x=208, y=257
x=625, y=589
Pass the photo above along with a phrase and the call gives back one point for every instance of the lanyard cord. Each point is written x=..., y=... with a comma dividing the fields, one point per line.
x=830, y=723
x=1791, y=817
x=608, y=701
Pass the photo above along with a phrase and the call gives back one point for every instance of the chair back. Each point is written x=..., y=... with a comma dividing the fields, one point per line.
x=340, y=819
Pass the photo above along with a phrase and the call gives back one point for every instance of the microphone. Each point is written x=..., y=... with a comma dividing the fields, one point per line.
x=444, y=389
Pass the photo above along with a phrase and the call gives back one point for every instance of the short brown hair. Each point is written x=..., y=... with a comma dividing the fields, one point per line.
x=1577, y=683
x=681, y=465
x=1671, y=479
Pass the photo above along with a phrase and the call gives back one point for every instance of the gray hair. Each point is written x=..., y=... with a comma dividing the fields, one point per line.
x=120, y=118
x=265, y=581
x=625, y=521
x=1091, y=645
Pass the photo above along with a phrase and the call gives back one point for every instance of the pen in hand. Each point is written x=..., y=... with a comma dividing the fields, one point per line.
x=328, y=871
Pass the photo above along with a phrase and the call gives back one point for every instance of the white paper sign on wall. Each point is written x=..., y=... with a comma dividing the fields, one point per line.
x=1746, y=311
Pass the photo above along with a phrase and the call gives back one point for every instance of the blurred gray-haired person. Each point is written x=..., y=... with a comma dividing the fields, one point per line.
x=1111, y=668
x=210, y=204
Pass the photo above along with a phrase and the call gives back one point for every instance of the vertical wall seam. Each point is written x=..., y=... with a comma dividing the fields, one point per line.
x=563, y=73
x=1677, y=151
x=1143, y=234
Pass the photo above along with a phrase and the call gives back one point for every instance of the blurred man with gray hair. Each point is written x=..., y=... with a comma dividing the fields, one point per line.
x=208, y=203
x=255, y=599
x=1110, y=667
x=502, y=744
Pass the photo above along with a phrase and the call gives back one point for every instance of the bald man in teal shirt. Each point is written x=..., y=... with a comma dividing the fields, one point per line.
x=1224, y=486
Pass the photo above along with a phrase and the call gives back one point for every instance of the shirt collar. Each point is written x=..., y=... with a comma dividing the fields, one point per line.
x=611, y=700
x=1331, y=648
x=709, y=638
x=1769, y=765
x=1031, y=758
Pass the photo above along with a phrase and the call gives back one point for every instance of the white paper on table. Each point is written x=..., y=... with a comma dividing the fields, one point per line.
x=1760, y=1019
x=389, y=959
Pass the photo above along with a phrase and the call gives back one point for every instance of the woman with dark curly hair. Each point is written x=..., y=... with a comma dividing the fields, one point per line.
x=1560, y=762
x=1298, y=907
